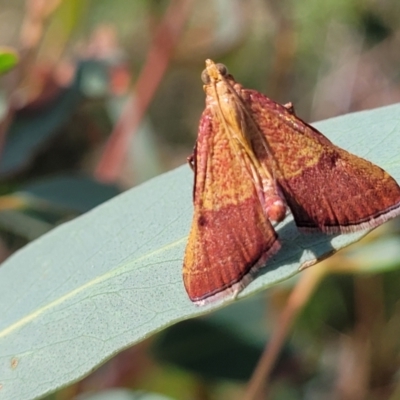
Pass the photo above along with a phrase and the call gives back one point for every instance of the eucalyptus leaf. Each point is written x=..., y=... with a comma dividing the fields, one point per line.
x=81, y=293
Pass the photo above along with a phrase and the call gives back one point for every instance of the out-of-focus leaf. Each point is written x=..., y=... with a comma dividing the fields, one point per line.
x=112, y=277
x=36, y=207
x=66, y=16
x=207, y=350
x=122, y=394
x=381, y=255
x=31, y=130
x=74, y=192
x=213, y=351
x=95, y=79
x=245, y=319
x=22, y=224
x=332, y=305
x=8, y=59
x=231, y=342
x=143, y=156
x=29, y=133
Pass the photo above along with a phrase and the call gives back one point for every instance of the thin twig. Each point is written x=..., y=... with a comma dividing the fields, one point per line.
x=153, y=70
x=301, y=293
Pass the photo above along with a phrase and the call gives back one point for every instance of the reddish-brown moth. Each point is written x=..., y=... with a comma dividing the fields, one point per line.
x=254, y=158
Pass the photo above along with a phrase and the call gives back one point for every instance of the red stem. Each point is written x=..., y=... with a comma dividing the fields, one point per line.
x=153, y=70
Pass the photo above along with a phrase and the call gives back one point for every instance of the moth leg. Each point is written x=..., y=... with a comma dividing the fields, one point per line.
x=190, y=161
x=289, y=106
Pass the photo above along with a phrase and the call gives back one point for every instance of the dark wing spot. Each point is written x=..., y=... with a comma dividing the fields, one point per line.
x=202, y=220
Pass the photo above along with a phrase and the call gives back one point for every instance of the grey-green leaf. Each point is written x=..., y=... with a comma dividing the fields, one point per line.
x=88, y=289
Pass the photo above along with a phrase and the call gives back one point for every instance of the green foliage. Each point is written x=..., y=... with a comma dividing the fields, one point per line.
x=8, y=59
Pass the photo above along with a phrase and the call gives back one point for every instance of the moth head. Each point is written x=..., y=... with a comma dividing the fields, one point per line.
x=213, y=72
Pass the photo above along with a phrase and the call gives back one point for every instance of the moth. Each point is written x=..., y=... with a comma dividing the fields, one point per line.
x=254, y=160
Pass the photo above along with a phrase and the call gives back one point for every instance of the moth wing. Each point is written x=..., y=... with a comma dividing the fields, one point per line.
x=325, y=187
x=230, y=237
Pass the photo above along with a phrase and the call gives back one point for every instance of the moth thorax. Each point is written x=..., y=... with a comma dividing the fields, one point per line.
x=232, y=113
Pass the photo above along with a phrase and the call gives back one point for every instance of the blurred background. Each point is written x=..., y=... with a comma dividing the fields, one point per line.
x=107, y=94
